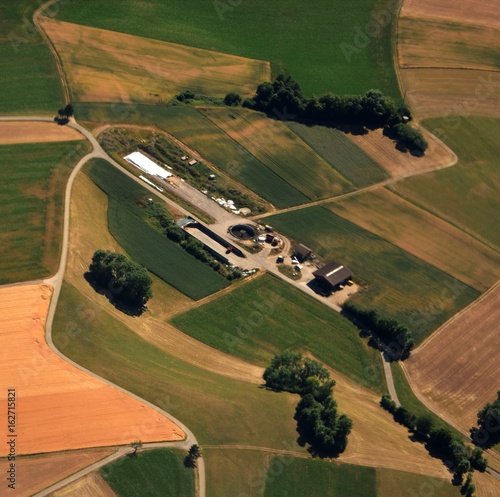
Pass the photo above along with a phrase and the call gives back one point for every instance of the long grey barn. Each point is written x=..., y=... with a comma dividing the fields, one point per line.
x=333, y=274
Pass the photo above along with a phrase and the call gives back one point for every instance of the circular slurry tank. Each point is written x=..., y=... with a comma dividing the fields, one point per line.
x=242, y=231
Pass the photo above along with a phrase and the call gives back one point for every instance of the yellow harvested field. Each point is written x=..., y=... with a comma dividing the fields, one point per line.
x=58, y=406
x=448, y=57
x=105, y=66
x=486, y=485
x=35, y=473
x=437, y=92
x=13, y=132
x=397, y=164
x=456, y=370
x=91, y=485
x=376, y=439
x=485, y=12
x=423, y=235
x=429, y=42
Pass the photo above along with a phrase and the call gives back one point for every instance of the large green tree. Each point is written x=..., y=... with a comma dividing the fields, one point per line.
x=124, y=279
x=488, y=420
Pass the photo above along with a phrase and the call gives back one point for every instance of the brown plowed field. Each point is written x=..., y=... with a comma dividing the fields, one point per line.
x=92, y=485
x=59, y=407
x=486, y=485
x=12, y=132
x=105, y=66
x=384, y=151
x=472, y=11
x=35, y=473
x=457, y=370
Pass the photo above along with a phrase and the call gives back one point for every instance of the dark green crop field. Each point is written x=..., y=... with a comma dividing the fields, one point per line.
x=145, y=244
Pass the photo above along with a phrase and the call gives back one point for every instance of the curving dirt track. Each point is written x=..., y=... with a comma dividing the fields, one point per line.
x=60, y=407
x=34, y=473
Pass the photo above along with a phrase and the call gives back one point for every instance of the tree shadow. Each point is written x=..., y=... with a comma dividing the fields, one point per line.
x=113, y=299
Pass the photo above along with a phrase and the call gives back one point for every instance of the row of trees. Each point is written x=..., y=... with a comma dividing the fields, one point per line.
x=126, y=280
x=442, y=442
x=318, y=421
x=395, y=339
x=283, y=98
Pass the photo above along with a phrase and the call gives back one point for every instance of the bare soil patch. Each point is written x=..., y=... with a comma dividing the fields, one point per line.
x=456, y=371
x=35, y=473
x=61, y=407
x=106, y=66
x=396, y=163
x=13, y=132
x=423, y=235
x=485, y=12
x=92, y=485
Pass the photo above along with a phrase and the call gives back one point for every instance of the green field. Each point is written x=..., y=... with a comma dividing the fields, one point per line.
x=266, y=316
x=343, y=154
x=235, y=472
x=468, y=194
x=145, y=244
x=206, y=402
x=151, y=474
x=281, y=151
x=34, y=179
x=304, y=38
x=199, y=133
x=28, y=73
x=298, y=477
x=400, y=285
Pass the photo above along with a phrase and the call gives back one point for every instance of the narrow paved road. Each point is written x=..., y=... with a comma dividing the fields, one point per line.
x=389, y=379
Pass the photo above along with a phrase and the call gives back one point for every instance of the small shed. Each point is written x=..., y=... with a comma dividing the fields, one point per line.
x=301, y=252
x=333, y=274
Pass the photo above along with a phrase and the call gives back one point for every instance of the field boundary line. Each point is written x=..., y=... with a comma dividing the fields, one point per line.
x=62, y=75
x=493, y=471
x=458, y=315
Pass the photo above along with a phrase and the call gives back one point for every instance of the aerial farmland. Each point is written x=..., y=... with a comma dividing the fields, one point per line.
x=250, y=248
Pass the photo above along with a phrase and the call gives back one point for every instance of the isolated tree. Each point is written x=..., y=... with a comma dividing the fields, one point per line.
x=194, y=453
x=128, y=281
x=488, y=420
x=68, y=110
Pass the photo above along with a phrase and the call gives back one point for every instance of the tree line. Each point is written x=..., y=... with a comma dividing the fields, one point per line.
x=318, y=421
x=393, y=338
x=460, y=458
x=283, y=98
